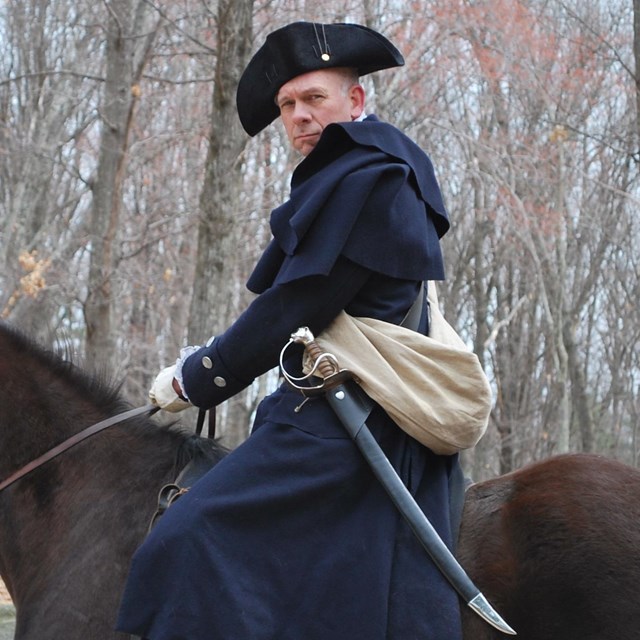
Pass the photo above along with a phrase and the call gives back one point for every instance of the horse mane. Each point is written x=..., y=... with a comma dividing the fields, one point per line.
x=95, y=386
x=99, y=390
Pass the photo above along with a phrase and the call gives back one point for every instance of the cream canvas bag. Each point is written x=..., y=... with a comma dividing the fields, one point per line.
x=432, y=387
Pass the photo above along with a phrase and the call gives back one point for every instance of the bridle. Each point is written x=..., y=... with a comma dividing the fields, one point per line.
x=75, y=439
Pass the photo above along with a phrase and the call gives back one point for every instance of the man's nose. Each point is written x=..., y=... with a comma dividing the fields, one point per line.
x=301, y=113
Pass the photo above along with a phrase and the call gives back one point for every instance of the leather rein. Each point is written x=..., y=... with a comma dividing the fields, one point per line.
x=74, y=440
x=149, y=409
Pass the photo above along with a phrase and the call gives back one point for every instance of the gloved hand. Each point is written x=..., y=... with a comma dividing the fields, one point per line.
x=164, y=394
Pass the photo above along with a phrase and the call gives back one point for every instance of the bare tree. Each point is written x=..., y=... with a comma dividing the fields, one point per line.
x=214, y=301
x=129, y=31
x=129, y=192
x=636, y=57
x=211, y=304
x=49, y=79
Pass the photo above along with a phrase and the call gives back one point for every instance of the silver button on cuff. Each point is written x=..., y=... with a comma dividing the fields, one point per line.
x=219, y=381
x=207, y=363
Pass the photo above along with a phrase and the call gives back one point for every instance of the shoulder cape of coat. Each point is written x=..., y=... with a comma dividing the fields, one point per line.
x=352, y=187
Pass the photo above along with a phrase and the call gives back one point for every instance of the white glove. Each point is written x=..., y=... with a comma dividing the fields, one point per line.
x=164, y=395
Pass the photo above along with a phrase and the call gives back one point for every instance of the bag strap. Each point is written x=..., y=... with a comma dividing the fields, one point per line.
x=412, y=319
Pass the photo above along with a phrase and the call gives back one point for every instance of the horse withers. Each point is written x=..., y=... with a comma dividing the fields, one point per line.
x=554, y=546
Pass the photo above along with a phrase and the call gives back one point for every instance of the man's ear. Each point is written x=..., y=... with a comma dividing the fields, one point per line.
x=356, y=96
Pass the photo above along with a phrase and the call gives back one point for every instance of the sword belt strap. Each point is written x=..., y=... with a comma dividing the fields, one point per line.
x=412, y=319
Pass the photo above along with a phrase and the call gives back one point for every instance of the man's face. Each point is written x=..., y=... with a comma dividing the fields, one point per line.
x=310, y=102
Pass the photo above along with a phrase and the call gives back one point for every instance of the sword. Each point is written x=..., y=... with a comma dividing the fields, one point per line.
x=352, y=409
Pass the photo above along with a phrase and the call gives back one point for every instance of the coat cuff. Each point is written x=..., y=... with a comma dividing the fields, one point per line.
x=206, y=380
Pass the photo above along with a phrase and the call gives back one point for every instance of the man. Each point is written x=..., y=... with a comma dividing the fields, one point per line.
x=291, y=537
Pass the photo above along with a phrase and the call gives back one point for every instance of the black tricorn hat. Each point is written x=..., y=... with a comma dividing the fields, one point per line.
x=301, y=47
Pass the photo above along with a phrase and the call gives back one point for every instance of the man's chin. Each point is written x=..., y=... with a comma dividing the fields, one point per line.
x=305, y=144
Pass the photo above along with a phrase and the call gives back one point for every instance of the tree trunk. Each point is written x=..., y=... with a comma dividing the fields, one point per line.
x=213, y=304
x=636, y=57
x=123, y=70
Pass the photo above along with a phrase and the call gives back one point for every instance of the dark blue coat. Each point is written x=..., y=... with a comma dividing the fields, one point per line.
x=290, y=537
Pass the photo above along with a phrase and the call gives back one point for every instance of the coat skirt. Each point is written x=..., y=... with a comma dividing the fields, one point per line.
x=244, y=555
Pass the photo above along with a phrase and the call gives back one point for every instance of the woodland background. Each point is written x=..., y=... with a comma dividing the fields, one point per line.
x=133, y=206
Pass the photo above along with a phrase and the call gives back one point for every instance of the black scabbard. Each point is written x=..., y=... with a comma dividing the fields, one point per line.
x=353, y=408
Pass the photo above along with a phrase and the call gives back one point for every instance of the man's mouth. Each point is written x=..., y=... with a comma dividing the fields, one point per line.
x=304, y=136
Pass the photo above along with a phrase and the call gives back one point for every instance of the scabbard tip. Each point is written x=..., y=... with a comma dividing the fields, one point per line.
x=482, y=607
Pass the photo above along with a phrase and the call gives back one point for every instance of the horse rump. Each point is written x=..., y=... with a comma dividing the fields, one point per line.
x=554, y=547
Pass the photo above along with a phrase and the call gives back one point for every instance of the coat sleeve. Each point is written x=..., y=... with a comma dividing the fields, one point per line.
x=251, y=346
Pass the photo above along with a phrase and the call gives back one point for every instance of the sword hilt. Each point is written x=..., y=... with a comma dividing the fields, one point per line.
x=324, y=365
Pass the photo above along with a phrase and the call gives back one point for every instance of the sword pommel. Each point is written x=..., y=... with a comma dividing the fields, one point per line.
x=302, y=335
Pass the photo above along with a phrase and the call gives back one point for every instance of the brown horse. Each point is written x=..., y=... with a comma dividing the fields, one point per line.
x=555, y=547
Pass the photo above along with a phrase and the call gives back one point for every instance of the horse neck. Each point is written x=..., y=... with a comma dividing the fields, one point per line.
x=90, y=506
